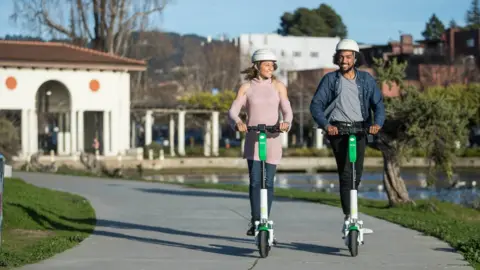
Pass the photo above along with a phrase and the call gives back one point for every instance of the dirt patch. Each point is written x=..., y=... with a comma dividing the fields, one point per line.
x=33, y=233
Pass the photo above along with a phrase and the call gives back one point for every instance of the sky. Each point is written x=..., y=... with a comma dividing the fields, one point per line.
x=367, y=21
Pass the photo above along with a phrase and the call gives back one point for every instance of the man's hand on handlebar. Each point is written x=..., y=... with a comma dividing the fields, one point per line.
x=241, y=127
x=374, y=129
x=332, y=130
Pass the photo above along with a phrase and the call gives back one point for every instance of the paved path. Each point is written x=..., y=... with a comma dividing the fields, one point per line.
x=157, y=226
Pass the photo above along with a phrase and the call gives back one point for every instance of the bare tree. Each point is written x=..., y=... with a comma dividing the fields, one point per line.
x=10, y=134
x=302, y=86
x=152, y=47
x=208, y=65
x=222, y=67
x=114, y=21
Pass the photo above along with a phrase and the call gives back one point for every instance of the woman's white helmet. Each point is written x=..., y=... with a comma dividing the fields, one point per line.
x=347, y=45
x=263, y=55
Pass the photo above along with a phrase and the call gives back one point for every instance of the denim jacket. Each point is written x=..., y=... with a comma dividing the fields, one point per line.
x=328, y=90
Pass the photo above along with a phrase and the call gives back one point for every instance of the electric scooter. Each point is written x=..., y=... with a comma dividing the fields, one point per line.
x=354, y=230
x=264, y=236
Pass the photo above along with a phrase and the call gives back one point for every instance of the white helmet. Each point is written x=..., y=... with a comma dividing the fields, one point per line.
x=347, y=45
x=263, y=55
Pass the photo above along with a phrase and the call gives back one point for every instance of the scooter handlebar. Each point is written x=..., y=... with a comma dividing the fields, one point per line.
x=263, y=127
x=352, y=130
x=357, y=130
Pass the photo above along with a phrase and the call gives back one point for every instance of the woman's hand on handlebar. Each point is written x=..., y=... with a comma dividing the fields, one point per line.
x=241, y=127
x=284, y=126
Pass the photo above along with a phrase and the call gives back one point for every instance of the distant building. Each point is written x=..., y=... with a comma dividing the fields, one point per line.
x=293, y=52
x=459, y=43
x=404, y=47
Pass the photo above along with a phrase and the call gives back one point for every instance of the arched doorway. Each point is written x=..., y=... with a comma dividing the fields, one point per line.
x=53, y=104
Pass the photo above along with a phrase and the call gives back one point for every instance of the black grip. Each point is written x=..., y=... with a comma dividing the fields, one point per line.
x=262, y=127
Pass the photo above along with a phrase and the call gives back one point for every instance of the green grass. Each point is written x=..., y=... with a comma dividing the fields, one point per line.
x=39, y=223
x=457, y=225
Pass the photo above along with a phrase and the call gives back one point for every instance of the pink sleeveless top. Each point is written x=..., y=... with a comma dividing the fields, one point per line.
x=262, y=102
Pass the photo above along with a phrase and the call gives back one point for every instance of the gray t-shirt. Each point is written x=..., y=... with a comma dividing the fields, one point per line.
x=347, y=107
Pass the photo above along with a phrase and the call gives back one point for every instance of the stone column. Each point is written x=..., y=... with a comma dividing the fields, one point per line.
x=171, y=137
x=148, y=127
x=207, y=138
x=319, y=138
x=80, y=132
x=60, y=134
x=284, y=135
x=25, y=132
x=181, y=133
x=33, y=133
x=133, y=139
x=215, y=133
x=115, y=134
x=73, y=132
x=106, y=132
x=67, y=133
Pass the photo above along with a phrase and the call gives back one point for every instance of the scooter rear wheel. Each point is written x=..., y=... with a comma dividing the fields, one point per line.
x=353, y=242
x=263, y=246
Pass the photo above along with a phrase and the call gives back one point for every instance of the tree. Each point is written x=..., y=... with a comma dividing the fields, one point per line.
x=472, y=18
x=209, y=101
x=433, y=120
x=23, y=38
x=105, y=25
x=434, y=28
x=333, y=21
x=9, y=138
x=452, y=24
x=300, y=84
x=220, y=101
x=320, y=22
x=152, y=46
x=208, y=65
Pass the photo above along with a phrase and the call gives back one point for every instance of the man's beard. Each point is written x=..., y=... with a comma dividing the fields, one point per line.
x=349, y=68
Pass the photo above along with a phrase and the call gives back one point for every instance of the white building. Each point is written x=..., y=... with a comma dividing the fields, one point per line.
x=71, y=93
x=293, y=52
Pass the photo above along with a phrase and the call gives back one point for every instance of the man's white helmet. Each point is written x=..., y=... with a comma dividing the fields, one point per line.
x=347, y=45
x=263, y=55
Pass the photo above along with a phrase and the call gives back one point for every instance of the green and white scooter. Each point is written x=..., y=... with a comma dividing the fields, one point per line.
x=264, y=236
x=354, y=230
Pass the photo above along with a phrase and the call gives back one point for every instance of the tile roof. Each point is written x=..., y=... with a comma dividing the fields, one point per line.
x=62, y=55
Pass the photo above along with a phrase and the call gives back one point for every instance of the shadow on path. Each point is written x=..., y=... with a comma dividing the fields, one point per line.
x=315, y=248
x=212, y=248
x=228, y=195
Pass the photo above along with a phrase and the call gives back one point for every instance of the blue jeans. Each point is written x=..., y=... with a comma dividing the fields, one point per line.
x=255, y=169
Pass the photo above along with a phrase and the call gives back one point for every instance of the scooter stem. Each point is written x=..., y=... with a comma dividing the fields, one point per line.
x=352, y=154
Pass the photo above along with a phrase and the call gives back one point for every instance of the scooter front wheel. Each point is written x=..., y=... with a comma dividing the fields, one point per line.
x=353, y=242
x=263, y=245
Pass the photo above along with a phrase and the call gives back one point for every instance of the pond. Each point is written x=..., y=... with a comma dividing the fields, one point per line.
x=464, y=192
